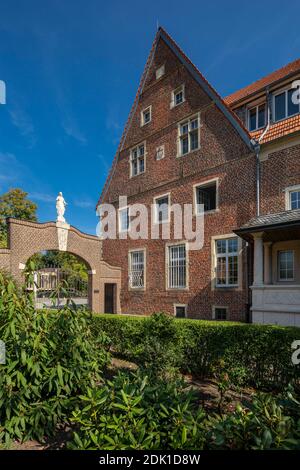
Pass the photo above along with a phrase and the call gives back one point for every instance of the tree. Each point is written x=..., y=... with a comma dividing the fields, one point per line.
x=15, y=204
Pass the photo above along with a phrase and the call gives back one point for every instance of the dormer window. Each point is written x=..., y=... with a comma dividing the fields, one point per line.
x=178, y=96
x=257, y=117
x=160, y=71
x=284, y=106
x=146, y=116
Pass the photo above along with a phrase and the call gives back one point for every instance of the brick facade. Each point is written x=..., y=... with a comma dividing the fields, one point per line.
x=222, y=154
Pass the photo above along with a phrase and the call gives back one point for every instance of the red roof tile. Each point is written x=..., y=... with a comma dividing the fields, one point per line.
x=279, y=129
x=260, y=84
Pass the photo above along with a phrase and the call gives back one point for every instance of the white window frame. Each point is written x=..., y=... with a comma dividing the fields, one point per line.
x=256, y=108
x=278, y=266
x=120, y=210
x=138, y=158
x=162, y=148
x=288, y=193
x=160, y=71
x=183, y=306
x=155, y=199
x=180, y=288
x=188, y=120
x=180, y=88
x=279, y=92
x=130, y=252
x=214, y=284
x=204, y=184
x=143, y=123
x=215, y=307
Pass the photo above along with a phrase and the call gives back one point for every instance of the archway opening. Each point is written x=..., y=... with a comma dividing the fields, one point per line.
x=59, y=277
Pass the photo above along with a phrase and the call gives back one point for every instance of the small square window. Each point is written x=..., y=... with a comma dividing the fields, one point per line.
x=160, y=152
x=146, y=116
x=178, y=96
x=160, y=71
x=220, y=313
x=180, y=311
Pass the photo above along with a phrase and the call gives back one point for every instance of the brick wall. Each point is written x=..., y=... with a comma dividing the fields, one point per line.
x=222, y=155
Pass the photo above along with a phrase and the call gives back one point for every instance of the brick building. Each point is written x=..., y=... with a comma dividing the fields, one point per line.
x=239, y=158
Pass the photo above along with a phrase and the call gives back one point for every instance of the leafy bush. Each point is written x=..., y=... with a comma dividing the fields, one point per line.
x=51, y=358
x=269, y=424
x=256, y=355
x=130, y=413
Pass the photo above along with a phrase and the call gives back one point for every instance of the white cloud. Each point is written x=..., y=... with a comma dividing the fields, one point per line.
x=42, y=197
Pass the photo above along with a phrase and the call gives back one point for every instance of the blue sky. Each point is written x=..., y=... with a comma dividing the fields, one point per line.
x=72, y=68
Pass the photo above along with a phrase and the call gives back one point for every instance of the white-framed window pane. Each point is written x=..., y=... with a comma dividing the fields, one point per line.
x=227, y=262
x=179, y=97
x=184, y=145
x=194, y=140
x=146, y=116
x=261, y=115
x=280, y=111
x=295, y=199
x=286, y=265
x=177, y=266
x=162, y=209
x=136, y=274
x=252, y=119
x=184, y=128
x=124, y=219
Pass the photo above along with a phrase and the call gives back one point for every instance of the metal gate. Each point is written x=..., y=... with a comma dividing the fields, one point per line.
x=53, y=287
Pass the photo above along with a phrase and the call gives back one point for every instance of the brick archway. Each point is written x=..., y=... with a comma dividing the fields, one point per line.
x=27, y=238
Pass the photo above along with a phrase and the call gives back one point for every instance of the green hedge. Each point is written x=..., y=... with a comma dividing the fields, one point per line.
x=257, y=355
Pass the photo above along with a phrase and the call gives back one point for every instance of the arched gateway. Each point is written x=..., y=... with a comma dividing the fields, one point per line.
x=27, y=238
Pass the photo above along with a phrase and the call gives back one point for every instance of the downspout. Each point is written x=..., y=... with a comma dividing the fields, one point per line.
x=256, y=147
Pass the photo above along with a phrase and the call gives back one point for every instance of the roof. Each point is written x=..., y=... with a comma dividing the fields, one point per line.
x=279, y=129
x=197, y=75
x=279, y=219
x=272, y=78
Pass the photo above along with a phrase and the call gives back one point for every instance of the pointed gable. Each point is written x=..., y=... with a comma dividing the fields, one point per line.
x=153, y=87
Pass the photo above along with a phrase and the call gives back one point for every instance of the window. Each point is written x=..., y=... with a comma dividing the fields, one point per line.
x=295, y=200
x=137, y=160
x=124, y=219
x=160, y=71
x=227, y=262
x=257, y=117
x=146, y=116
x=136, y=269
x=220, y=313
x=189, y=135
x=206, y=194
x=161, y=206
x=284, y=106
x=160, y=152
x=177, y=96
x=286, y=265
x=180, y=311
x=177, y=267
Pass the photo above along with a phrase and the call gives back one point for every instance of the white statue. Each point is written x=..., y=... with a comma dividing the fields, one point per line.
x=60, y=207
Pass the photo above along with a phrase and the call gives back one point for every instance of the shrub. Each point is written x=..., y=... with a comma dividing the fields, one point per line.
x=51, y=358
x=256, y=355
x=270, y=423
x=131, y=413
